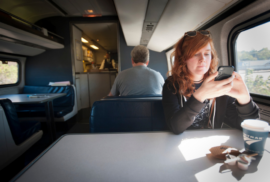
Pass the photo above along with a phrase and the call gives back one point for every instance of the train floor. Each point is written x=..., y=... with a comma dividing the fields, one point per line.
x=77, y=124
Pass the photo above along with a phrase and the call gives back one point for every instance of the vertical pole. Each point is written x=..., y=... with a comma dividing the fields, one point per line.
x=47, y=109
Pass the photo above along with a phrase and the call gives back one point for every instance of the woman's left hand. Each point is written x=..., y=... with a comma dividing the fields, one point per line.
x=239, y=90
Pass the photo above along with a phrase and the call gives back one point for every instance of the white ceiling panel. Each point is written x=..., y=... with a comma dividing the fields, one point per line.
x=131, y=15
x=154, y=10
x=181, y=16
x=224, y=1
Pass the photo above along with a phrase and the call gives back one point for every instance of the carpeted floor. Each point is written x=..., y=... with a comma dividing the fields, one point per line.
x=80, y=128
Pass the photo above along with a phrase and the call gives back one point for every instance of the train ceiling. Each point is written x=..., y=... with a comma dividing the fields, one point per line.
x=158, y=24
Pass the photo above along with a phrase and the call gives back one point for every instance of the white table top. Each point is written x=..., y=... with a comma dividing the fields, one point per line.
x=24, y=99
x=144, y=157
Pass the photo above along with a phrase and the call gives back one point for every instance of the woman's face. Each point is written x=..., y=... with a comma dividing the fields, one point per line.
x=199, y=64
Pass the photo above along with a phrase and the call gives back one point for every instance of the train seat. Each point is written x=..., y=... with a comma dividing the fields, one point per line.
x=64, y=107
x=127, y=114
x=151, y=96
x=15, y=136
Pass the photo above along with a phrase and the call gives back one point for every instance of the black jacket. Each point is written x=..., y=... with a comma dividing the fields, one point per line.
x=227, y=110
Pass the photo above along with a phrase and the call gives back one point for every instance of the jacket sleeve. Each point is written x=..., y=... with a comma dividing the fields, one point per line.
x=236, y=113
x=179, y=118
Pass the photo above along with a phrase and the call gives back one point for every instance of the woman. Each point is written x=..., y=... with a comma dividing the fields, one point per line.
x=191, y=97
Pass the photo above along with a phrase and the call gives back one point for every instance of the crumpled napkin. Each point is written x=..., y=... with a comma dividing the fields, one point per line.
x=232, y=156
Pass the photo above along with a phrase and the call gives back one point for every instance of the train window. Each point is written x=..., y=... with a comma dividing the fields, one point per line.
x=170, y=64
x=9, y=72
x=172, y=61
x=252, y=58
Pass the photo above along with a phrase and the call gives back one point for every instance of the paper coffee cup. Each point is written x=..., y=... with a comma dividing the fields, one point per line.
x=255, y=133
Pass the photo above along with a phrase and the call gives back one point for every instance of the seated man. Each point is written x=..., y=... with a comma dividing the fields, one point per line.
x=138, y=80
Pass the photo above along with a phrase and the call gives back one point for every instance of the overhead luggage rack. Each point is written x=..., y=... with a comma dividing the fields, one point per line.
x=13, y=29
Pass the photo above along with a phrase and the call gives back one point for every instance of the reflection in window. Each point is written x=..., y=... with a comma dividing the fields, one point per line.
x=253, y=58
x=9, y=72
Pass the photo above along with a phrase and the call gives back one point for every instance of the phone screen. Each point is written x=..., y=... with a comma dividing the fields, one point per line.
x=224, y=72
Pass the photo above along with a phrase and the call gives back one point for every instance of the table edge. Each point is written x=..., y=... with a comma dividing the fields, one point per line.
x=39, y=102
x=54, y=143
x=36, y=159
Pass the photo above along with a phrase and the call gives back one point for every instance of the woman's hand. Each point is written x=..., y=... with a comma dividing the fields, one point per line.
x=211, y=89
x=239, y=90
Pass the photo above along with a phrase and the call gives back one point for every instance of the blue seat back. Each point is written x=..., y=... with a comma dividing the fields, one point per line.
x=127, y=115
x=12, y=118
x=153, y=96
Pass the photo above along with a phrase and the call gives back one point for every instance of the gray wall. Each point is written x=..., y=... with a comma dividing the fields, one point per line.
x=158, y=60
x=52, y=65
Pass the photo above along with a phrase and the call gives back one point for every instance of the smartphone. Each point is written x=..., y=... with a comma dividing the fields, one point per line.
x=224, y=72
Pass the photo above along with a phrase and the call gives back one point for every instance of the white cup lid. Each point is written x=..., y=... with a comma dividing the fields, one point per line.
x=257, y=125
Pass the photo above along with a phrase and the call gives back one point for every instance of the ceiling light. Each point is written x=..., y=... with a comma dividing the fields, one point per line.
x=97, y=40
x=94, y=47
x=92, y=15
x=90, y=11
x=84, y=40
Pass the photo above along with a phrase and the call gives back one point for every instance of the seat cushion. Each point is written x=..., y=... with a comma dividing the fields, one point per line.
x=62, y=111
x=28, y=129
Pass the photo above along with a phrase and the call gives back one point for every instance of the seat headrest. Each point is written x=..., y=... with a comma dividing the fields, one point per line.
x=12, y=118
x=148, y=97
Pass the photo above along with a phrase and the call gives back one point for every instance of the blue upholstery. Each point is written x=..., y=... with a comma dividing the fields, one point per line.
x=133, y=96
x=62, y=105
x=127, y=115
x=20, y=130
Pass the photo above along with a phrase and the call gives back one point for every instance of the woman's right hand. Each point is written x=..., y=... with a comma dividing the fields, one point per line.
x=211, y=89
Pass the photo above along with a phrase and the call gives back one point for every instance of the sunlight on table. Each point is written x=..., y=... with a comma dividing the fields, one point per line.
x=194, y=148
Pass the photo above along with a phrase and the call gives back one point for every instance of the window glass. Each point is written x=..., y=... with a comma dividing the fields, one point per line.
x=9, y=72
x=172, y=61
x=253, y=58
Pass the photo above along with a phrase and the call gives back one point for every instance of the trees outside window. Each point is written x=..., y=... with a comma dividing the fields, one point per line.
x=9, y=72
x=253, y=58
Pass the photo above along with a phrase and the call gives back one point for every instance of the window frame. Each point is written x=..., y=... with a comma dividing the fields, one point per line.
x=19, y=71
x=169, y=55
x=233, y=35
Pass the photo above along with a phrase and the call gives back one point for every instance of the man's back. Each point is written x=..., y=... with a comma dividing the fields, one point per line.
x=138, y=80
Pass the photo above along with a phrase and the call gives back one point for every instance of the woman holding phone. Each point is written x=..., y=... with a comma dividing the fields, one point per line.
x=191, y=97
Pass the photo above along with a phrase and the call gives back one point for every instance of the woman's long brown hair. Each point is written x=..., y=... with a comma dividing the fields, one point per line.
x=181, y=77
